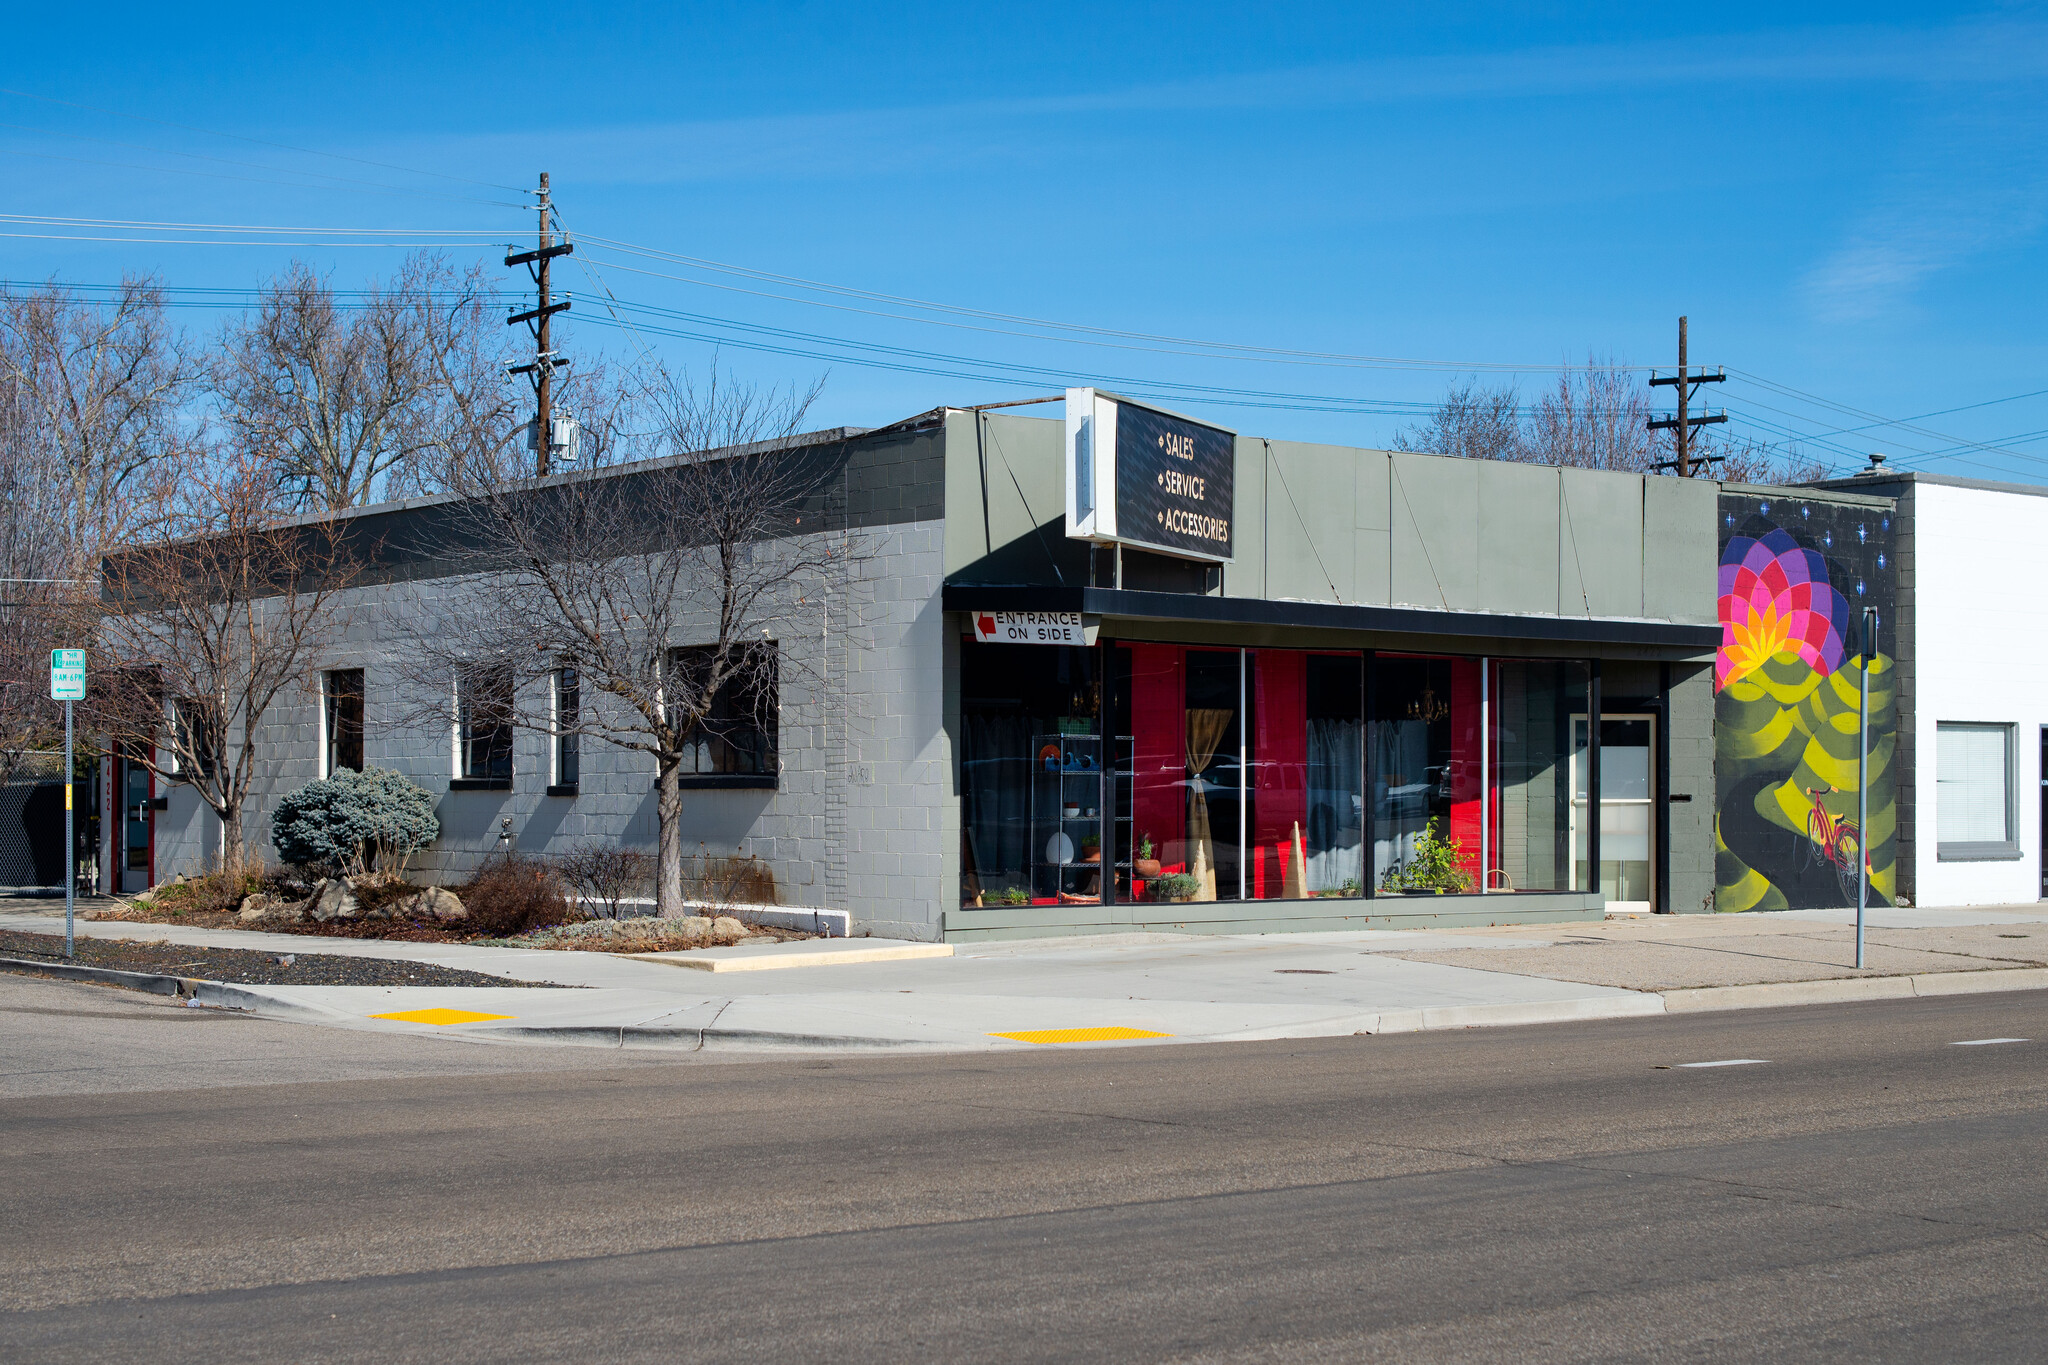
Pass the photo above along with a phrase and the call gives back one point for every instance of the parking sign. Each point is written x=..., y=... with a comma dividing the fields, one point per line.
x=67, y=675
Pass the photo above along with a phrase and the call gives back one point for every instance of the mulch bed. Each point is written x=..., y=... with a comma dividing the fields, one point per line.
x=243, y=966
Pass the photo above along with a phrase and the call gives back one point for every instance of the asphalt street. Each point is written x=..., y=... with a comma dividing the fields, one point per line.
x=1860, y=1187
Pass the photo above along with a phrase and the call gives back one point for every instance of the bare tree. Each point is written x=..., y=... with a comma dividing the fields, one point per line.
x=94, y=400
x=1595, y=416
x=1472, y=423
x=206, y=625
x=96, y=407
x=666, y=586
x=339, y=392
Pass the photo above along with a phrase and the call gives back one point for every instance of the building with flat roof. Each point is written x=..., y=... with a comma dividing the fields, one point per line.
x=1129, y=670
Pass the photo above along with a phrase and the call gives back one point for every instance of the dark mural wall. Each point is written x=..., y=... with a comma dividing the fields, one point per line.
x=1796, y=573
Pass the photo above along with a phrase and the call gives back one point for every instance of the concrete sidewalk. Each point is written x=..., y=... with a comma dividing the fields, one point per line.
x=1155, y=987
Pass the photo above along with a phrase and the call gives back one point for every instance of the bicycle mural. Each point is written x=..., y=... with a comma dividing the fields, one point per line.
x=1796, y=574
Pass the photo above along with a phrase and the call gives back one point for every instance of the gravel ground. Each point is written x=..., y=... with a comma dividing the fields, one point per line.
x=243, y=966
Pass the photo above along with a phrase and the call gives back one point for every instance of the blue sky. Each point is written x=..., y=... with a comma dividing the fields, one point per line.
x=1848, y=201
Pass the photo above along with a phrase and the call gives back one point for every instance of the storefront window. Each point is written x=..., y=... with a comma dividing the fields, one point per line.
x=1530, y=764
x=1031, y=776
x=1307, y=788
x=1426, y=774
x=1143, y=772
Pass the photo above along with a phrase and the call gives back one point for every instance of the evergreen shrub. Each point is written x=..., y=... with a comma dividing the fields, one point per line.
x=355, y=822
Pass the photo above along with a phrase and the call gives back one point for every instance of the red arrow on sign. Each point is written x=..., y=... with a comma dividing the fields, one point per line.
x=985, y=624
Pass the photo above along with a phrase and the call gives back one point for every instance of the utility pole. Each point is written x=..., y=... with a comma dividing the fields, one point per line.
x=542, y=370
x=1683, y=424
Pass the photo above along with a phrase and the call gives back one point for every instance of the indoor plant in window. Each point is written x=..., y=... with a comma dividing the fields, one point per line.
x=1145, y=865
x=1435, y=864
x=1091, y=848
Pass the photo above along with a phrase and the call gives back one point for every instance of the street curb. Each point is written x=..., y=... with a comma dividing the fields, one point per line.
x=1773, y=994
x=153, y=982
x=192, y=988
x=684, y=1039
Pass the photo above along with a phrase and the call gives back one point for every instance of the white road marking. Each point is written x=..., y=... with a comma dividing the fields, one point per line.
x=1987, y=1042
x=1732, y=1061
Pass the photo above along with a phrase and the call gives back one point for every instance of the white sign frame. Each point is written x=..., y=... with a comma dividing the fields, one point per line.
x=1091, y=475
x=1034, y=627
x=67, y=675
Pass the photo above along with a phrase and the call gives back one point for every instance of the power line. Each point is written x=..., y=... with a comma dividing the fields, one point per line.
x=1393, y=362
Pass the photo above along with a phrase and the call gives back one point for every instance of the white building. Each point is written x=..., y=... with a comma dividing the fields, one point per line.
x=1972, y=645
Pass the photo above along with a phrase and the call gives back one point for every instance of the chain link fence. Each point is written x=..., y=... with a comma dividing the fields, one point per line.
x=32, y=826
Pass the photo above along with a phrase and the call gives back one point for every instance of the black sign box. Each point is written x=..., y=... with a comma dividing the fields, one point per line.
x=1174, y=482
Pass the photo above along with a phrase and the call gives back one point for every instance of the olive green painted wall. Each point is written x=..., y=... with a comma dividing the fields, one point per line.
x=1340, y=524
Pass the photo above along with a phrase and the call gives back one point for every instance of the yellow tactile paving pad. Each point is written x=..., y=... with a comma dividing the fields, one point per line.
x=1115, y=1034
x=441, y=1016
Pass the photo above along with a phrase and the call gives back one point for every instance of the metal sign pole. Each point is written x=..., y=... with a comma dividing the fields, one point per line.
x=70, y=838
x=67, y=684
x=1863, y=780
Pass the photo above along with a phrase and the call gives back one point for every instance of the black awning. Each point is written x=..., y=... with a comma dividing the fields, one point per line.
x=1114, y=604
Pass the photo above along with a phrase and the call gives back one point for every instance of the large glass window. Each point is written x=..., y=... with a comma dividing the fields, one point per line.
x=1193, y=773
x=1031, y=776
x=737, y=736
x=1529, y=764
x=1425, y=753
x=1307, y=776
x=1973, y=790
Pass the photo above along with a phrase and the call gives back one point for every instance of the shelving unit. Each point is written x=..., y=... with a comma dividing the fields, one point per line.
x=1066, y=771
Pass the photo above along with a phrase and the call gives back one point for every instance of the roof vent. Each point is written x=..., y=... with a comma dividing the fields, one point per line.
x=1876, y=463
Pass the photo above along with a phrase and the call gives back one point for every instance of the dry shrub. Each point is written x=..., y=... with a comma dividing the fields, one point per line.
x=212, y=893
x=512, y=894
x=607, y=873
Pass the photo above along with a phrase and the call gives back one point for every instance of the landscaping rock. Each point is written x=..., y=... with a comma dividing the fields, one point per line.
x=334, y=899
x=263, y=909
x=437, y=903
x=689, y=926
x=726, y=929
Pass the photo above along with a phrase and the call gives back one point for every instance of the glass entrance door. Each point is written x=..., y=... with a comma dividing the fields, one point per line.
x=1628, y=810
x=136, y=856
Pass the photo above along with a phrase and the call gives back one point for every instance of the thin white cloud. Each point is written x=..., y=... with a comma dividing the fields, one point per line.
x=1011, y=133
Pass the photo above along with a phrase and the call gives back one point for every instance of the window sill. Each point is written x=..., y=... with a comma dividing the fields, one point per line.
x=1977, y=853
x=480, y=784
x=766, y=782
x=563, y=788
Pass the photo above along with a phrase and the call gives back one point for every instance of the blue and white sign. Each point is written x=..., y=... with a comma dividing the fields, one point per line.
x=67, y=675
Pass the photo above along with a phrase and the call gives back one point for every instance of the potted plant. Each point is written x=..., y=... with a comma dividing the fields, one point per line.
x=1176, y=886
x=1436, y=865
x=1013, y=895
x=1145, y=865
x=1091, y=848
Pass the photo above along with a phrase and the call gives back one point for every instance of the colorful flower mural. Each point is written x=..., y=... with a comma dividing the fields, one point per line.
x=1776, y=599
x=1787, y=695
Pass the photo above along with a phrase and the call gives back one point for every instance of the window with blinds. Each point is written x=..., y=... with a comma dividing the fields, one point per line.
x=1973, y=807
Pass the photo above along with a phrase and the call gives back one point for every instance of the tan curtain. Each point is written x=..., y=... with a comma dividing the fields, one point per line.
x=1205, y=732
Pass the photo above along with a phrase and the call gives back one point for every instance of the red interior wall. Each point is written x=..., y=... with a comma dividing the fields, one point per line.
x=1465, y=737
x=1279, y=766
x=1159, y=732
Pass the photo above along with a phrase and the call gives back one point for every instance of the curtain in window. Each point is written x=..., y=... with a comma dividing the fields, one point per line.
x=1206, y=729
x=1336, y=757
x=997, y=798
